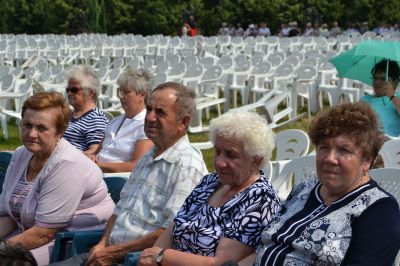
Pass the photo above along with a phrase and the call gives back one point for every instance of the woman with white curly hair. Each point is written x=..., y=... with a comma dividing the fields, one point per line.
x=222, y=219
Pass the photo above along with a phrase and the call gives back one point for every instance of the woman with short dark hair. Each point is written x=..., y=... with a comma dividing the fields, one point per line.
x=341, y=216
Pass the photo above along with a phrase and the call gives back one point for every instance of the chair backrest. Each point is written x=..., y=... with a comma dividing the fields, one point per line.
x=115, y=185
x=306, y=72
x=195, y=70
x=291, y=143
x=159, y=78
x=226, y=61
x=390, y=153
x=299, y=169
x=5, y=158
x=388, y=179
x=162, y=67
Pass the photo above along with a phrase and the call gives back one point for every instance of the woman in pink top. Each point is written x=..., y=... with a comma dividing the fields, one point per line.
x=50, y=186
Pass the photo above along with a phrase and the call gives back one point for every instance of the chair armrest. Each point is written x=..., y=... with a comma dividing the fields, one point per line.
x=132, y=259
x=84, y=240
x=60, y=243
x=62, y=239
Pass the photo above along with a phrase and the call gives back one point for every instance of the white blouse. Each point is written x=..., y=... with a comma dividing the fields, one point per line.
x=118, y=145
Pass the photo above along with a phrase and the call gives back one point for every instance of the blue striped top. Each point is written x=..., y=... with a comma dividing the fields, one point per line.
x=87, y=130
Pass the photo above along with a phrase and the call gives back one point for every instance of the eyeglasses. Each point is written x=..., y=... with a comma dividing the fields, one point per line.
x=376, y=79
x=122, y=93
x=73, y=89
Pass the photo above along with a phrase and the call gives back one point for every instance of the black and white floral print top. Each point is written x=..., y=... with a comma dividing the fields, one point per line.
x=200, y=226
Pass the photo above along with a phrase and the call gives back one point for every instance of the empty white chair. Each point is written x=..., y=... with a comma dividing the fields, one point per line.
x=388, y=179
x=208, y=96
x=176, y=72
x=390, y=153
x=23, y=89
x=240, y=76
x=259, y=79
x=296, y=170
x=291, y=143
x=306, y=87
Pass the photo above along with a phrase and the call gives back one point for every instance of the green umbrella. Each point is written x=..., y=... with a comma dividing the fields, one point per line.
x=357, y=62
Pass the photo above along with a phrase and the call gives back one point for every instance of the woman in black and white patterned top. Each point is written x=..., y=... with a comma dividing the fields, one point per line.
x=341, y=217
x=223, y=217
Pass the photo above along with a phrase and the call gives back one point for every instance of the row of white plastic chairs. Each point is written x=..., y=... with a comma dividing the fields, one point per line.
x=21, y=47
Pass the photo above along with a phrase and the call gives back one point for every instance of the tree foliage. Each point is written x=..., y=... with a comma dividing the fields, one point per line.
x=166, y=16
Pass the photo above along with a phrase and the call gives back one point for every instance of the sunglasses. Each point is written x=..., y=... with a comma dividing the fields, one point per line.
x=73, y=89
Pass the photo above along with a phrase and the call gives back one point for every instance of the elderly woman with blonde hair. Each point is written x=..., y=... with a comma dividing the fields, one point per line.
x=222, y=219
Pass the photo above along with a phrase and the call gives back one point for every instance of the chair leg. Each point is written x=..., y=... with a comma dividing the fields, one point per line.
x=4, y=126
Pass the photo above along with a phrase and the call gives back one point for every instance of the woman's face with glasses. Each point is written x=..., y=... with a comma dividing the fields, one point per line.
x=380, y=84
x=76, y=95
x=131, y=102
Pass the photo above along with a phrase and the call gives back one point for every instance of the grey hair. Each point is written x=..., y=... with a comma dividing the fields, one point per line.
x=250, y=129
x=87, y=78
x=138, y=80
x=185, y=98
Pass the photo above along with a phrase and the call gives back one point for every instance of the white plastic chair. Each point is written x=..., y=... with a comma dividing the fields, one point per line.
x=22, y=92
x=259, y=79
x=176, y=72
x=291, y=143
x=208, y=96
x=240, y=77
x=390, y=153
x=295, y=171
x=306, y=88
x=388, y=179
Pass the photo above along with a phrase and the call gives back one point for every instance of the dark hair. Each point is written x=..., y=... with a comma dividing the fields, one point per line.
x=381, y=66
x=185, y=98
x=356, y=120
x=44, y=100
x=15, y=255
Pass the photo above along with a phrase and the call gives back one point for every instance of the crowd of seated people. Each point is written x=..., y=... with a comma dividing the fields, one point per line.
x=171, y=208
x=312, y=29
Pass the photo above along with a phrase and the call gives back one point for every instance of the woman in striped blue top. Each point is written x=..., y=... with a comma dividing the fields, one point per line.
x=88, y=123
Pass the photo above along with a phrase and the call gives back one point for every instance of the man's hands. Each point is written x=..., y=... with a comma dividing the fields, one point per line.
x=100, y=255
x=148, y=256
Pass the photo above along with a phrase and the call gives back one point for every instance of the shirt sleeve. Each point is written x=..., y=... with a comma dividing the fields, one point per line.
x=61, y=192
x=96, y=129
x=376, y=235
x=186, y=178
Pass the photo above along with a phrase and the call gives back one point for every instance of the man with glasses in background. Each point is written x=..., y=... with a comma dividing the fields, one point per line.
x=125, y=142
x=88, y=123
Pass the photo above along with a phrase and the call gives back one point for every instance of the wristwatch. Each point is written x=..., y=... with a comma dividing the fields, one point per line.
x=159, y=258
